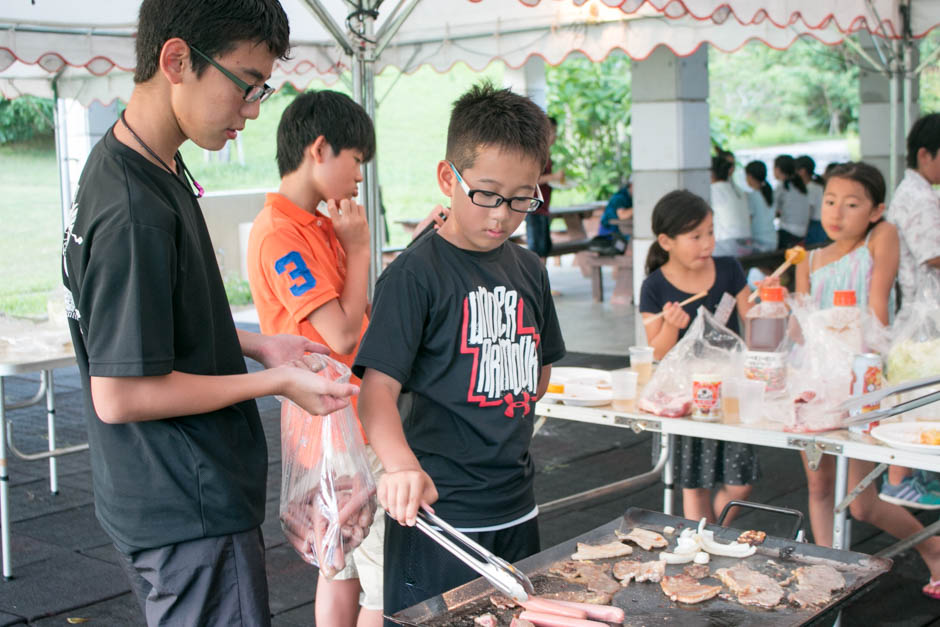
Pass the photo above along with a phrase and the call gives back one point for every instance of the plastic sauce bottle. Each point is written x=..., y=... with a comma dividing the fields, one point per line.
x=765, y=331
x=843, y=321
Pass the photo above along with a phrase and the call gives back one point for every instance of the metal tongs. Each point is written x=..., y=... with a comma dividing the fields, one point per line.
x=501, y=574
x=857, y=402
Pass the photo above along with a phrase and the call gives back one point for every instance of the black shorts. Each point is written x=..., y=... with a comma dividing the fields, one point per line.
x=417, y=568
x=206, y=581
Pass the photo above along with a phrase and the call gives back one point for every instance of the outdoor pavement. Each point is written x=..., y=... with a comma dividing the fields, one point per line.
x=65, y=567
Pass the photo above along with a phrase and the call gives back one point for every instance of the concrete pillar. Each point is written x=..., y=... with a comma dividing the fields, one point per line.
x=874, y=115
x=528, y=80
x=671, y=141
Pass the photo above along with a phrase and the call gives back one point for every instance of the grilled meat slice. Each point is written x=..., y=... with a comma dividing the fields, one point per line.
x=486, y=620
x=601, y=551
x=696, y=571
x=625, y=570
x=685, y=589
x=815, y=585
x=644, y=538
x=595, y=577
x=752, y=537
x=750, y=586
x=581, y=596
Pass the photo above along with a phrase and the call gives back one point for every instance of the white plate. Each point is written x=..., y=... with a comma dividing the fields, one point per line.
x=906, y=436
x=581, y=376
x=581, y=395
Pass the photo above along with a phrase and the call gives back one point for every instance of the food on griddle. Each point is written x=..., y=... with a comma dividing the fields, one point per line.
x=591, y=597
x=752, y=537
x=601, y=551
x=606, y=613
x=685, y=589
x=556, y=388
x=486, y=620
x=698, y=571
x=548, y=606
x=644, y=538
x=502, y=602
x=520, y=622
x=815, y=585
x=554, y=620
x=668, y=531
x=750, y=586
x=701, y=558
x=625, y=570
x=595, y=577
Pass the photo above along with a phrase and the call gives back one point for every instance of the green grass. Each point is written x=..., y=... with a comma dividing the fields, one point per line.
x=31, y=215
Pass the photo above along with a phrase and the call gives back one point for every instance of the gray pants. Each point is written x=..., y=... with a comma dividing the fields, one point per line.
x=207, y=581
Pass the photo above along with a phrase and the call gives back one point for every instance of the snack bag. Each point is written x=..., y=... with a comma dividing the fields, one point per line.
x=707, y=347
x=328, y=497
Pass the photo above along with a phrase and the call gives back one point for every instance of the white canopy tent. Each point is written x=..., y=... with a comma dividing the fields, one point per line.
x=84, y=51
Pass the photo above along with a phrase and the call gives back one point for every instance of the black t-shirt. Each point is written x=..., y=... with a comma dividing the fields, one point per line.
x=147, y=299
x=657, y=291
x=467, y=334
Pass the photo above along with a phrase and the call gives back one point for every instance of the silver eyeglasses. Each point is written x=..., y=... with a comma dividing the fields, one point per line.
x=490, y=200
x=253, y=93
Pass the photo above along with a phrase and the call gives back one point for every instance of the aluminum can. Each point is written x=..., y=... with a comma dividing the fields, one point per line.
x=867, y=376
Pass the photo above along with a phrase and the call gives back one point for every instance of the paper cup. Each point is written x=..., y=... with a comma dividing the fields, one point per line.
x=623, y=383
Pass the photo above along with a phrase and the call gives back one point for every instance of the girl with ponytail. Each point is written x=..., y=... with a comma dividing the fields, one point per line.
x=791, y=203
x=760, y=201
x=680, y=264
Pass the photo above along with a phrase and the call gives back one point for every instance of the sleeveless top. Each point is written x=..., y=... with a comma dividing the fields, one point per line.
x=849, y=272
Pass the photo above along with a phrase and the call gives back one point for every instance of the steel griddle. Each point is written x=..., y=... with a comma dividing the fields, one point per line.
x=645, y=603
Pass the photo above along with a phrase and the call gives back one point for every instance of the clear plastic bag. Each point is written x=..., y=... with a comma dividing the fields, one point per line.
x=707, y=347
x=328, y=494
x=915, y=337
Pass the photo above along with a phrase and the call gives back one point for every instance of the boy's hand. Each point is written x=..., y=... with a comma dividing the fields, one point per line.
x=350, y=225
x=277, y=350
x=402, y=492
x=316, y=394
x=437, y=216
x=676, y=316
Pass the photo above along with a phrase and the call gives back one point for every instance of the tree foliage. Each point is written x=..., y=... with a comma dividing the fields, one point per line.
x=591, y=102
x=25, y=118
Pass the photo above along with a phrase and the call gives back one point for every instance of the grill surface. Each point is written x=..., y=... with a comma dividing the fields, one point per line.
x=645, y=603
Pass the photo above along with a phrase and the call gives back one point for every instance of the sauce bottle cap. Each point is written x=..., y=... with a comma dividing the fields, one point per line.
x=843, y=298
x=772, y=294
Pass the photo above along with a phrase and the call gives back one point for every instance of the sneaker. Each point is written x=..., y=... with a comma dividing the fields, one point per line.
x=911, y=492
x=928, y=480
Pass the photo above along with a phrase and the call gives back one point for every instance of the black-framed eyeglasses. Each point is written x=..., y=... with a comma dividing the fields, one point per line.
x=253, y=93
x=491, y=200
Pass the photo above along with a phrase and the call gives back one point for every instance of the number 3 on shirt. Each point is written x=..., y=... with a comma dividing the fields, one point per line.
x=299, y=271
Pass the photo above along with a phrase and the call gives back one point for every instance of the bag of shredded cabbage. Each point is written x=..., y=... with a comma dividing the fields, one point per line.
x=915, y=345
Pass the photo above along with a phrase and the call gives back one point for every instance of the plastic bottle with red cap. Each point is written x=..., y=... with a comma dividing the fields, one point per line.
x=766, y=330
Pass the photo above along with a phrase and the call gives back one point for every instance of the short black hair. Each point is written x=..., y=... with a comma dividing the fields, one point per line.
x=487, y=116
x=342, y=122
x=924, y=134
x=215, y=27
x=721, y=167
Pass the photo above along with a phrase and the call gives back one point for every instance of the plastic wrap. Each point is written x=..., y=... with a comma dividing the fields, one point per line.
x=820, y=364
x=328, y=496
x=915, y=337
x=707, y=347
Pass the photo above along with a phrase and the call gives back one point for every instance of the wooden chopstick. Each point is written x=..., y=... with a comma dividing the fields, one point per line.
x=797, y=254
x=688, y=300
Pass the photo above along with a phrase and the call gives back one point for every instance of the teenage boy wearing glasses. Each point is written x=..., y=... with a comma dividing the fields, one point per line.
x=464, y=321
x=309, y=275
x=178, y=455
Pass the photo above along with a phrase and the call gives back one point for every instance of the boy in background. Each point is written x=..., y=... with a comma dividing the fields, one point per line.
x=465, y=322
x=309, y=276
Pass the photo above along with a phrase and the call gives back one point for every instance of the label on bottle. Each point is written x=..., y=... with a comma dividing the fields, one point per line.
x=769, y=367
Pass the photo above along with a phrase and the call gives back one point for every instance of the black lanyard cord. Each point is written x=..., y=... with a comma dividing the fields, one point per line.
x=177, y=157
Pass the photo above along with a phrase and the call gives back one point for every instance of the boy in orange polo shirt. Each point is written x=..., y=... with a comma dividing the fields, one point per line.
x=309, y=274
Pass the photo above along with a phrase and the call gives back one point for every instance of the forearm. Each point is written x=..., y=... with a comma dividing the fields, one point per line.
x=250, y=343
x=120, y=400
x=663, y=340
x=354, y=299
x=933, y=263
x=378, y=412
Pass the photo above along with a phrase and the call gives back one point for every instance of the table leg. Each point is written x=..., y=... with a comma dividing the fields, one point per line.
x=50, y=420
x=4, y=490
x=668, y=442
x=840, y=522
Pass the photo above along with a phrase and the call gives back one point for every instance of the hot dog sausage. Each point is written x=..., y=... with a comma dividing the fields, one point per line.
x=545, y=606
x=554, y=620
x=606, y=613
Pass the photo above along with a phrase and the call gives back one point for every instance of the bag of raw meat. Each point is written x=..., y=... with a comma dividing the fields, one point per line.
x=328, y=497
x=707, y=347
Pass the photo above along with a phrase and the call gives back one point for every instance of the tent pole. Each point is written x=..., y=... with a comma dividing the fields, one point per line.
x=364, y=94
x=389, y=29
x=61, y=154
x=323, y=16
x=893, y=76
